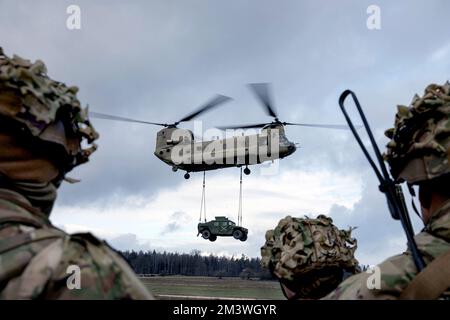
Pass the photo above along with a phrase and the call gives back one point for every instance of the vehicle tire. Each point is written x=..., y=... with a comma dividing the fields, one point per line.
x=237, y=234
x=244, y=238
x=206, y=234
x=187, y=175
x=213, y=238
x=247, y=171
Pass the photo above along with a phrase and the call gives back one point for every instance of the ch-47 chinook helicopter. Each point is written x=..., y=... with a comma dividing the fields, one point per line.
x=178, y=148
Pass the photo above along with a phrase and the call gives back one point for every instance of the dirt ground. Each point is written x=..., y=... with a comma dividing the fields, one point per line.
x=181, y=287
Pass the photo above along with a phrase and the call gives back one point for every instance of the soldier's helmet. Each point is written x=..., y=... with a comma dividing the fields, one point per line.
x=309, y=256
x=45, y=110
x=419, y=149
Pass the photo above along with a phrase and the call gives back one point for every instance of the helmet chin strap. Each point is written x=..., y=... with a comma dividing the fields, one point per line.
x=413, y=194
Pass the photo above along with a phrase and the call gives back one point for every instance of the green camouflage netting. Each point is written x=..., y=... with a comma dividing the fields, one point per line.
x=420, y=140
x=299, y=248
x=48, y=109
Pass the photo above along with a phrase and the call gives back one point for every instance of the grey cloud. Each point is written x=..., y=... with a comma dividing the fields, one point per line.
x=176, y=222
x=128, y=241
x=157, y=60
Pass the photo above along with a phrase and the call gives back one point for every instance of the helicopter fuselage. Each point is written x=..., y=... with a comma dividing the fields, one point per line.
x=177, y=148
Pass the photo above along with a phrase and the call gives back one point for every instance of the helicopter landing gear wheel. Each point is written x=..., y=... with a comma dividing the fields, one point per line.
x=247, y=171
x=238, y=234
x=206, y=234
x=187, y=175
x=213, y=238
x=174, y=169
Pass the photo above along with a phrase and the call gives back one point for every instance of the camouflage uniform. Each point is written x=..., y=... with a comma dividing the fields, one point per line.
x=397, y=272
x=34, y=255
x=419, y=151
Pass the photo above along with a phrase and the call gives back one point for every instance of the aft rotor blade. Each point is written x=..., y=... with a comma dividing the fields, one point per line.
x=326, y=126
x=217, y=100
x=257, y=125
x=262, y=92
x=116, y=118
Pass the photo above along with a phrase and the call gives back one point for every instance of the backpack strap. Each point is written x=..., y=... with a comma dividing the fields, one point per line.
x=431, y=282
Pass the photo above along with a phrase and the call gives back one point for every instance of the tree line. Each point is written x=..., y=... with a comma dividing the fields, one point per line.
x=194, y=264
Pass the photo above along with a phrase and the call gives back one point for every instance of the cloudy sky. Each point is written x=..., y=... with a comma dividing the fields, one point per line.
x=158, y=60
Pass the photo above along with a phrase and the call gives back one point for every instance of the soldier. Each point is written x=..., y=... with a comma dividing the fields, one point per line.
x=418, y=153
x=309, y=257
x=42, y=131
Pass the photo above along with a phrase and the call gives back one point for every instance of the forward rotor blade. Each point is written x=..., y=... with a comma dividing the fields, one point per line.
x=262, y=92
x=217, y=100
x=116, y=118
x=249, y=126
x=326, y=126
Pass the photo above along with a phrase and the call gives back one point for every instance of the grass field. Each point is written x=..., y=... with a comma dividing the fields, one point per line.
x=180, y=287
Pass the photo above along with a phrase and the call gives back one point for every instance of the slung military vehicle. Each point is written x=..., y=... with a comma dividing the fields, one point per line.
x=221, y=227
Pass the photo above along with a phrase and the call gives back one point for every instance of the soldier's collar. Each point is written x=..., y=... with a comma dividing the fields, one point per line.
x=12, y=194
x=445, y=208
x=440, y=221
x=20, y=200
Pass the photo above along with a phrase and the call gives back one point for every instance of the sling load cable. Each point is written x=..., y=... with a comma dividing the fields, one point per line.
x=240, y=201
x=203, y=203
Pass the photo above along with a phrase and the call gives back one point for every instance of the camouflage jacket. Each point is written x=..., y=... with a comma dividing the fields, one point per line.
x=39, y=261
x=398, y=271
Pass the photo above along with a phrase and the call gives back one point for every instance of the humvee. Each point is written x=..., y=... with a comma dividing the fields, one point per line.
x=222, y=227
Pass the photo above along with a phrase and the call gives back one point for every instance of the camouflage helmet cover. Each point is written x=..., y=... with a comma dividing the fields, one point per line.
x=419, y=149
x=306, y=251
x=47, y=109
